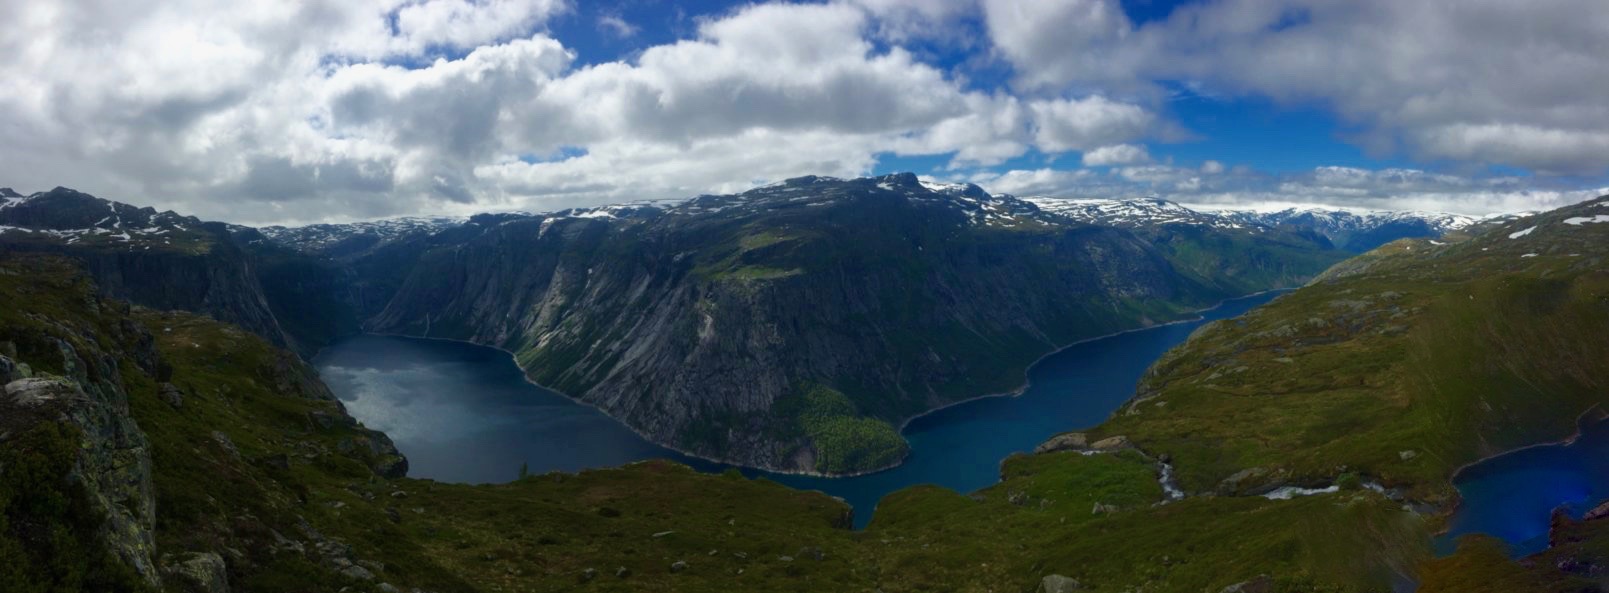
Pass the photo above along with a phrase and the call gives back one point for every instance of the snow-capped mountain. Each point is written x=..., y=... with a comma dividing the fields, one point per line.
x=1353, y=231
x=70, y=217
x=340, y=237
x=1136, y=212
x=1358, y=231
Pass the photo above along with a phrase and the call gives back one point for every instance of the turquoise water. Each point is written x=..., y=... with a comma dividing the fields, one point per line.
x=464, y=413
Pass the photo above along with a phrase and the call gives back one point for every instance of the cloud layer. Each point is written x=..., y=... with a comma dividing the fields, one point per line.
x=1478, y=81
x=328, y=110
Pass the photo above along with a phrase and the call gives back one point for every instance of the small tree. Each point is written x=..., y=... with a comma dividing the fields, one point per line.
x=525, y=470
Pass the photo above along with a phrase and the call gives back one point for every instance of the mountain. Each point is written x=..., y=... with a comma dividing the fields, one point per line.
x=1351, y=231
x=794, y=326
x=1265, y=453
x=1358, y=232
x=158, y=259
x=1140, y=213
x=353, y=239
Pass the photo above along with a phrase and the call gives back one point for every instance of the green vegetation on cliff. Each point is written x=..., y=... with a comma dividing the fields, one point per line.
x=843, y=440
x=50, y=537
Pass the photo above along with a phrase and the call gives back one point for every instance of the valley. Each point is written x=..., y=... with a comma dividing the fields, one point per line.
x=464, y=414
x=1309, y=443
x=706, y=325
x=804, y=296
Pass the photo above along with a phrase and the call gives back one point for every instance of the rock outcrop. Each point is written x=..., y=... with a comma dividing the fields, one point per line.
x=113, y=465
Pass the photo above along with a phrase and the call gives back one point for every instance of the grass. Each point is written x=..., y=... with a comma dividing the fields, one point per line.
x=1401, y=378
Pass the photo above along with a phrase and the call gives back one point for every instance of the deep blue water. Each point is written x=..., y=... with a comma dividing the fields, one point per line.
x=464, y=413
x=1512, y=496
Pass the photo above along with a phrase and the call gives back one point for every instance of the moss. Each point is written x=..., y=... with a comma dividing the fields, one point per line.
x=50, y=531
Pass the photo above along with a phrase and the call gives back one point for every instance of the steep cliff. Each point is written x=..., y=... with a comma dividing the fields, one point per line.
x=699, y=324
x=143, y=449
x=157, y=259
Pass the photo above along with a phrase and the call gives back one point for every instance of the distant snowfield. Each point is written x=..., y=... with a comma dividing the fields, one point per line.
x=1581, y=220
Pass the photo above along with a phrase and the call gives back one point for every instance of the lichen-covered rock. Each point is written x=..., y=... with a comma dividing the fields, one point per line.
x=114, y=461
x=171, y=394
x=1597, y=512
x=1253, y=481
x=1067, y=441
x=1055, y=583
x=205, y=571
x=1110, y=443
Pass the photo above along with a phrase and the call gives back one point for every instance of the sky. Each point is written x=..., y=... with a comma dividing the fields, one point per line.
x=308, y=111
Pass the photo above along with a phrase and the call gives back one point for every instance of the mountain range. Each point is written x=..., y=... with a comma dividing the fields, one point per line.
x=792, y=327
x=1309, y=445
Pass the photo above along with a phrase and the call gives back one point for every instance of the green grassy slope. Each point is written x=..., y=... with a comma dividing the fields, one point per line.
x=1401, y=366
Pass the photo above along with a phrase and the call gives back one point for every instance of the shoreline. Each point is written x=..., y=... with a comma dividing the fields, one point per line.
x=1193, y=315
x=1028, y=381
x=1581, y=422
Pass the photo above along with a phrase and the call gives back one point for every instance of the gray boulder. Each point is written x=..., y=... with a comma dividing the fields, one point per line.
x=1069, y=441
x=205, y=570
x=1110, y=443
x=1055, y=583
x=171, y=394
x=353, y=571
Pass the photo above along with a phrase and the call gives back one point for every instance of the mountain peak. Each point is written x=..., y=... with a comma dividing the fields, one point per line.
x=906, y=179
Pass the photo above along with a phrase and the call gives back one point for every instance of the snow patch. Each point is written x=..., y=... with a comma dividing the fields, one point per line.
x=1289, y=492
x=1528, y=255
x=1581, y=220
x=1519, y=234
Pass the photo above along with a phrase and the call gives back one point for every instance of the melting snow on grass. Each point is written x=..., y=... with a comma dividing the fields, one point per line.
x=1581, y=220
x=1521, y=233
x=1290, y=492
x=1529, y=255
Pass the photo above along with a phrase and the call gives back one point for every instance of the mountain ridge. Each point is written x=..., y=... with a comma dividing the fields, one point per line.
x=728, y=282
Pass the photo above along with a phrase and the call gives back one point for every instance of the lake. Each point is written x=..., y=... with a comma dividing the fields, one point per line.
x=1512, y=496
x=464, y=413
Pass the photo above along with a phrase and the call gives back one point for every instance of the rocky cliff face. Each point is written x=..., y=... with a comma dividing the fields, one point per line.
x=145, y=449
x=697, y=324
x=86, y=406
x=157, y=259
